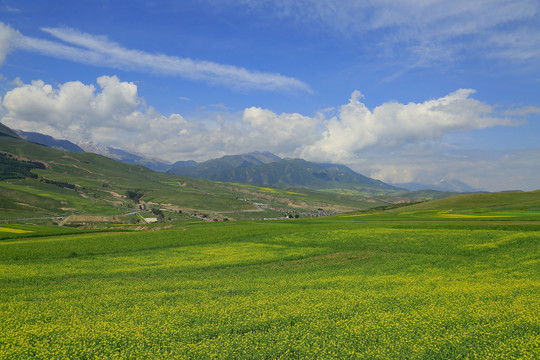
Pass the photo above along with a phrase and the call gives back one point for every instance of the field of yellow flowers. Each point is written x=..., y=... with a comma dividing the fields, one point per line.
x=337, y=288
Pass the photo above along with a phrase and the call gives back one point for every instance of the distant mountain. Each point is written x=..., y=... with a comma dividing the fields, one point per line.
x=73, y=185
x=49, y=141
x=126, y=157
x=212, y=169
x=452, y=185
x=264, y=168
x=181, y=164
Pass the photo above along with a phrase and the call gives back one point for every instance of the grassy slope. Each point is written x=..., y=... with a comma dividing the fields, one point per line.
x=488, y=201
x=337, y=287
x=492, y=208
x=101, y=184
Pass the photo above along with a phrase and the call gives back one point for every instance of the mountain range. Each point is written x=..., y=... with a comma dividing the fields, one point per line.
x=263, y=168
x=49, y=141
x=44, y=185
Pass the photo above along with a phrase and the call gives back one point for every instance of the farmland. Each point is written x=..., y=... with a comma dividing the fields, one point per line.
x=356, y=286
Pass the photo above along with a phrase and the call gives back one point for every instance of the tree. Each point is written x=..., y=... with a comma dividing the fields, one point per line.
x=158, y=213
x=135, y=195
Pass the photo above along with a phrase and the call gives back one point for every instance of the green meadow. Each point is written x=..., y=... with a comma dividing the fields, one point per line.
x=357, y=286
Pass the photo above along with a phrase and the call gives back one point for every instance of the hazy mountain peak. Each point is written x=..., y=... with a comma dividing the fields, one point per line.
x=49, y=141
x=126, y=157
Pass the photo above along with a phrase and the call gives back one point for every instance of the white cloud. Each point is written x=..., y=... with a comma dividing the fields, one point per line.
x=523, y=111
x=11, y=9
x=392, y=124
x=520, y=44
x=79, y=112
x=283, y=132
x=100, y=51
x=113, y=114
x=393, y=142
x=6, y=34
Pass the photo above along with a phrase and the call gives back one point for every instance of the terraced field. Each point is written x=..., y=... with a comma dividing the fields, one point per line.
x=360, y=286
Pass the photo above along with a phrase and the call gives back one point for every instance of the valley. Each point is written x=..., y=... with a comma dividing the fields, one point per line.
x=102, y=259
x=64, y=186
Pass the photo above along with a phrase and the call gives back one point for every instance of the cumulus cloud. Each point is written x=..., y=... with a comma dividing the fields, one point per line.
x=393, y=124
x=79, y=112
x=392, y=142
x=100, y=51
x=112, y=113
x=283, y=132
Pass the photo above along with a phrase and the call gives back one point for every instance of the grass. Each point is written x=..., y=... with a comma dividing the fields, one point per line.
x=331, y=288
x=519, y=201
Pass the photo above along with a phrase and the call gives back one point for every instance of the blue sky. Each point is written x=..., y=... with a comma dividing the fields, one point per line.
x=409, y=91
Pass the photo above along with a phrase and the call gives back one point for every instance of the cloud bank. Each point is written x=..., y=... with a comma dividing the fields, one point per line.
x=513, y=169
x=112, y=113
x=100, y=51
x=391, y=125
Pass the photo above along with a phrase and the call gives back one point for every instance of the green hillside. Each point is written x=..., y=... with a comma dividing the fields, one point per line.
x=301, y=173
x=496, y=208
x=267, y=169
x=54, y=184
x=45, y=185
x=483, y=201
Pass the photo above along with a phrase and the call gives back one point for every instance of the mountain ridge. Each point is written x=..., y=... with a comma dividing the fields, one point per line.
x=47, y=185
x=265, y=168
x=49, y=141
x=253, y=167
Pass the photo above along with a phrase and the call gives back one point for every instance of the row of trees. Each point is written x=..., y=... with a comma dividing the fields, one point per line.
x=135, y=195
x=11, y=168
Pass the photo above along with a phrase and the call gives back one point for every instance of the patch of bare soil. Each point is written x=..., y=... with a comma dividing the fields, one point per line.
x=72, y=158
x=76, y=166
x=114, y=194
x=86, y=219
